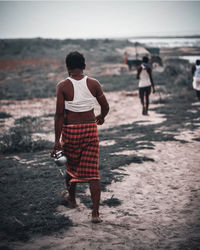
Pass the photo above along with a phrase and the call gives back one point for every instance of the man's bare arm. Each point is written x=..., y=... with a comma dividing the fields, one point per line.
x=151, y=79
x=138, y=72
x=59, y=116
x=103, y=104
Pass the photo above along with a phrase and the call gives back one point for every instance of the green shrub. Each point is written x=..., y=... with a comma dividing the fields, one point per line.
x=19, y=138
x=29, y=123
x=4, y=115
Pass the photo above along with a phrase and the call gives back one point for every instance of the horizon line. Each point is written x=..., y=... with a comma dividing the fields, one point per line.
x=103, y=38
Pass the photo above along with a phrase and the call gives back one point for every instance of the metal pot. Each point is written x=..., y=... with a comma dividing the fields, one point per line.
x=60, y=159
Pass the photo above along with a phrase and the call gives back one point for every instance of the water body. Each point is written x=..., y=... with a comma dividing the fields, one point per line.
x=191, y=59
x=168, y=42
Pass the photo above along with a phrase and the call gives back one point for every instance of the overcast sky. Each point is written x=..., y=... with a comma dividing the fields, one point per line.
x=98, y=19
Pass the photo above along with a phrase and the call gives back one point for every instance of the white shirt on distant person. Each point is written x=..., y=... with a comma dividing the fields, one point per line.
x=144, y=77
x=196, y=78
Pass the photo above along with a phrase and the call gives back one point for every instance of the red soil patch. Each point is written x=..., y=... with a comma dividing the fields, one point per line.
x=18, y=64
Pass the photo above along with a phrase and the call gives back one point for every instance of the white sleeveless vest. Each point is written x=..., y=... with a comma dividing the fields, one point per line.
x=144, y=78
x=83, y=99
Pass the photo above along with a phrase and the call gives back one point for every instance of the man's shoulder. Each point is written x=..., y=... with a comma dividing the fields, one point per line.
x=92, y=81
x=62, y=83
x=94, y=86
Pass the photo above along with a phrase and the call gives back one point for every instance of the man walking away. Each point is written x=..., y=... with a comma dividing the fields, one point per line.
x=144, y=74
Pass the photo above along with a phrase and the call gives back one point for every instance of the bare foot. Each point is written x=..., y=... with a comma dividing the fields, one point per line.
x=72, y=203
x=96, y=219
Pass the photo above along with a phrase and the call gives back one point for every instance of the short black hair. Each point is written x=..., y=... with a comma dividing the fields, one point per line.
x=197, y=62
x=75, y=60
x=145, y=59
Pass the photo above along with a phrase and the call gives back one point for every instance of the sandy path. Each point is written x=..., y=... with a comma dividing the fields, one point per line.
x=160, y=199
x=160, y=207
x=120, y=112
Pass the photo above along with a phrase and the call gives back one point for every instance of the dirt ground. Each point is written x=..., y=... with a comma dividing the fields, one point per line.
x=150, y=195
x=160, y=199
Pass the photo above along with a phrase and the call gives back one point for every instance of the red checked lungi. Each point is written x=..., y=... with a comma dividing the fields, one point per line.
x=81, y=146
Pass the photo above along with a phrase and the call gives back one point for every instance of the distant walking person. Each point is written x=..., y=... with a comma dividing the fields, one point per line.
x=196, y=78
x=76, y=123
x=144, y=74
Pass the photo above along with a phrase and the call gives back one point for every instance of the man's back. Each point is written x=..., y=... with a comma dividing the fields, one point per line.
x=68, y=89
